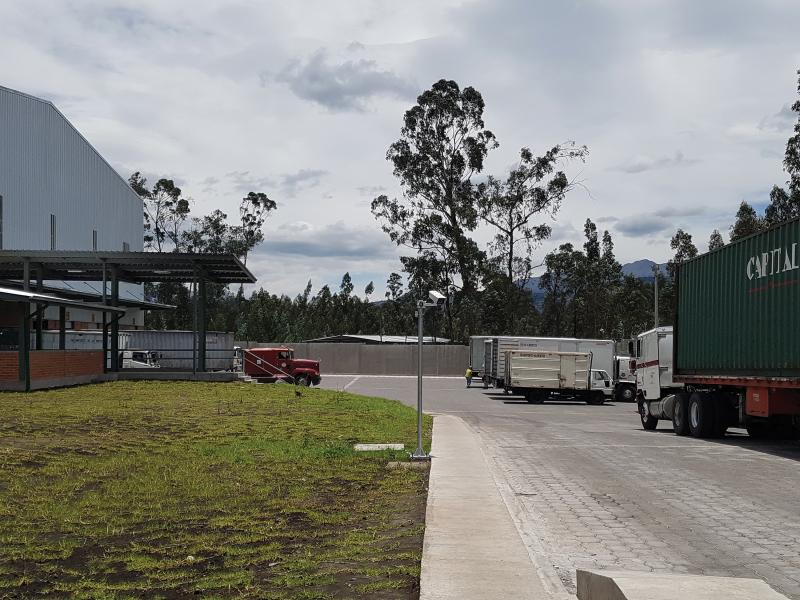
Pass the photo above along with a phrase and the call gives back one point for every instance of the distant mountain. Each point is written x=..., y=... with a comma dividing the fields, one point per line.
x=641, y=269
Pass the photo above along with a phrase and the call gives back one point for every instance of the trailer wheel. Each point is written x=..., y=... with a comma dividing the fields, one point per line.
x=649, y=422
x=772, y=429
x=680, y=423
x=702, y=415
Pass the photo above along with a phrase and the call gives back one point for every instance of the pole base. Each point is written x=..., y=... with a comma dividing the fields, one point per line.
x=420, y=455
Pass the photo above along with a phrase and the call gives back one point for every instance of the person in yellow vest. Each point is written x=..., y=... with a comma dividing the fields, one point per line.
x=468, y=375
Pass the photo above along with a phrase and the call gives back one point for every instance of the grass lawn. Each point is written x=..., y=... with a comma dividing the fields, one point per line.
x=151, y=489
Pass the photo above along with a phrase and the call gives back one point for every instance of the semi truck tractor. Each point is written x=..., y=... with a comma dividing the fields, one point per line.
x=542, y=375
x=268, y=365
x=732, y=357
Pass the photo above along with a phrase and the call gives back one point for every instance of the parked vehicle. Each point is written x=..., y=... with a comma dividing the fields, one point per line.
x=541, y=375
x=602, y=352
x=624, y=375
x=139, y=359
x=477, y=355
x=279, y=364
x=735, y=358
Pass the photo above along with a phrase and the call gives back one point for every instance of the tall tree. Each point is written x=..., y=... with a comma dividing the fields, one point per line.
x=253, y=211
x=533, y=189
x=165, y=212
x=442, y=144
x=747, y=222
x=684, y=248
x=558, y=283
x=715, y=241
x=785, y=203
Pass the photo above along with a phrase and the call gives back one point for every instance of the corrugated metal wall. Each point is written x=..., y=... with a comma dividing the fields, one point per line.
x=739, y=308
x=47, y=167
x=175, y=347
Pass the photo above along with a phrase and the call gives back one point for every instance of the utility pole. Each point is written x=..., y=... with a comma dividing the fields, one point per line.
x=656, y=271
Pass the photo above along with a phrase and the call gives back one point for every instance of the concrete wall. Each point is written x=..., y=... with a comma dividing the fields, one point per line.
x=378, y=359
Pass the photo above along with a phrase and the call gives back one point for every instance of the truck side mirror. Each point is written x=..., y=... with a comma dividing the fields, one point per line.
x=630, y=348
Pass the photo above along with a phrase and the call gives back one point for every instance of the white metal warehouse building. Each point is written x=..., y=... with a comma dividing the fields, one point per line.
x=58, y=193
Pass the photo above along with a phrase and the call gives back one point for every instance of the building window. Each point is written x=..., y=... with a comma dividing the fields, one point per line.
x=126, y=247
x=94, y=240
x=52, y=232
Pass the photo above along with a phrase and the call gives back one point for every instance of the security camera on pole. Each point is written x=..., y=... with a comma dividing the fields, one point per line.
x=436, y=300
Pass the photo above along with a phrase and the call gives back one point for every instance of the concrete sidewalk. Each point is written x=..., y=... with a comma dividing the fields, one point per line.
x=472, y=548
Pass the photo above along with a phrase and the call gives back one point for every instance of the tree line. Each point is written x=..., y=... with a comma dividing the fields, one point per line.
x=439, y=162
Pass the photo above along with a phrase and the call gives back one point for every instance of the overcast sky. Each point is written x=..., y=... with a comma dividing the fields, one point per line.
x=684, y=105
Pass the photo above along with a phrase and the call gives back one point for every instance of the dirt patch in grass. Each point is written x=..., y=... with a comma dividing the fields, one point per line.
x=169, y=490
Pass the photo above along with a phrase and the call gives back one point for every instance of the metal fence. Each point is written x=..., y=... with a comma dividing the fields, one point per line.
x=377, y=359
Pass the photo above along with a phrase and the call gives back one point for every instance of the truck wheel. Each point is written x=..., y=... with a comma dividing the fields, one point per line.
x=301, y=380
x=702, y=415
x=680, y=423
x=772, y=429
x=626, y=394
x=534, y=397
x=722, y=414
x=596, y=399
x=649, y=422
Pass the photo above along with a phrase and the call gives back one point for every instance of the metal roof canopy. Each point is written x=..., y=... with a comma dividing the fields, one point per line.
x=13, y=295
x=73, y=294
x=132, y=267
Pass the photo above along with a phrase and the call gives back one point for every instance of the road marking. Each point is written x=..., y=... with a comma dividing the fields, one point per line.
x=393, y=376
x=351, y=383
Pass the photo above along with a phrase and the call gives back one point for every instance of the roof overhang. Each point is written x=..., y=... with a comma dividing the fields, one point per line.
x=83, y=296
x=22, y=296
x=133, y=267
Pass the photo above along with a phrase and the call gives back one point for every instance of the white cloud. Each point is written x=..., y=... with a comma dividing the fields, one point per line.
x=174, y=89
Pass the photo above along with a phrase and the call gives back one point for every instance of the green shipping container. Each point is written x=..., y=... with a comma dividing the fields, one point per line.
x=738, y=308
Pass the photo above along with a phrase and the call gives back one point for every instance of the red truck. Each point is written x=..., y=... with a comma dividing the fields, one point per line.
x=273, y=364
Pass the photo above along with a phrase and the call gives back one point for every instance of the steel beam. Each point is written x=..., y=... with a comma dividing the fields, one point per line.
x=24, y=347
x=62, y=327
x=115, y=364
x=201, y=304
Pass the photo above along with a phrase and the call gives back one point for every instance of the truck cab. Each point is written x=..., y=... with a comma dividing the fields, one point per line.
x=139, y=359
x=625, y=378
x=279, y=364
x=601, y=381
x=654, y=364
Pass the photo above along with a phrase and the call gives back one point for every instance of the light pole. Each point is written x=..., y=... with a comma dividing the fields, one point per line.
x=437, y=300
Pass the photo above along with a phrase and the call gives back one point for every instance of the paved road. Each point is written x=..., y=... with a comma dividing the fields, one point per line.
x=588, y=487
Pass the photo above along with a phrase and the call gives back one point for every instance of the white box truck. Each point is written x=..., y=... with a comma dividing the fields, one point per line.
x=602, y=352
x=477, y=355
x=540, y=375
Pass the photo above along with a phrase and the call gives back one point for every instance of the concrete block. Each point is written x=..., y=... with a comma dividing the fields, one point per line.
x=377, y=447
x=612, y=585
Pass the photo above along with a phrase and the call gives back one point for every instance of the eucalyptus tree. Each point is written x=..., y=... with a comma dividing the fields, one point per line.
x=514, y=206
x=442, y=145
x=165, y=212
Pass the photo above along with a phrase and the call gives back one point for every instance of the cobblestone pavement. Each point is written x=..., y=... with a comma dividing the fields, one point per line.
x=588, y=488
